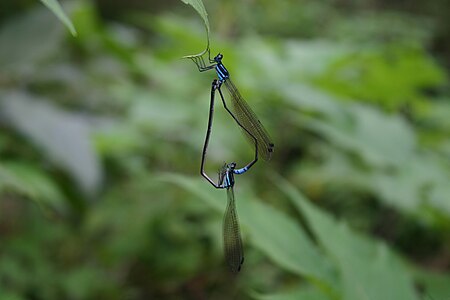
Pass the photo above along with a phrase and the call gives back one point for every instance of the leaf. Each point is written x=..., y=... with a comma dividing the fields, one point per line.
x=31, y=182
x=422, y=182
x=272, y=232
x=436, y=285
x=200, y=8
x=285, y=242
x=379, y=138
x=368, y=268
x=56, y=8
x=372, y=76
x=412, y=180
x=27, y=40
x=307, y=293
x=63, y=137
x=9, y=295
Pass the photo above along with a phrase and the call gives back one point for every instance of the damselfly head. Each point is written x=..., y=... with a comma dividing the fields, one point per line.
x=231, y=166
x=226, y=177
x=218, y=58
x=226, y=168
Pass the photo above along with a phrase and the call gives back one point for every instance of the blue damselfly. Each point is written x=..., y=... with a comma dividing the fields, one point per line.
x=234, y=253
x=255, y=133
x=240, y=110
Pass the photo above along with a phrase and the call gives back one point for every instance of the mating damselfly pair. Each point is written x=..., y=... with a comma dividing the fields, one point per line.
x=252, y=128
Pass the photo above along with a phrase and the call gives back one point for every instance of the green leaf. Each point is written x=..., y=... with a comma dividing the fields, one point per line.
x=379, y=138
x=307, y=293
x=369, y=270
x=37, y=37
x=64, y=138
x=200, y=8
x=28, y=181
x=56, y=8
x=421, y=183
x=436, y=286
x=412, y=181
x=8, y=295
x=371, y=76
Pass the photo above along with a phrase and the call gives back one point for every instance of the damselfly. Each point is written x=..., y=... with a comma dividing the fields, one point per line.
x=240, y=111
x=256, y=134
x=232, y=241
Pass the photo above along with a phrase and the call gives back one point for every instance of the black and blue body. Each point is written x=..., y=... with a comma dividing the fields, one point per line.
x=232, y=241
x=222, y=72
x=242, y=170
x=255, y=133
x=226, y=175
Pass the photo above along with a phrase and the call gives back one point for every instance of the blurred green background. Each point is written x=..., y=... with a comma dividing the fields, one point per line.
x=101, y=137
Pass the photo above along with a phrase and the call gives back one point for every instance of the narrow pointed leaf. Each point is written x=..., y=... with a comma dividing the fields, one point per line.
x=56, y=8
x=369, y=271
x=200, y=8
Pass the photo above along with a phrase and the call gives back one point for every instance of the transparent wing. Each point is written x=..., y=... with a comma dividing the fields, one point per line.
x=249, y=120
x=222, y=173
x=234, y=252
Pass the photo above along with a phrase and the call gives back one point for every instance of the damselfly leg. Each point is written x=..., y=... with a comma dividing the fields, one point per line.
x=239, y=110
x=199, y=61
x=214, y=86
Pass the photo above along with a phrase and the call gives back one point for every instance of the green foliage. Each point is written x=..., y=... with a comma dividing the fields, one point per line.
x=363, y=75
x=395, y=167
x=62, y=137
x=16, y=58
x=360, y=211
x=368, y=270
x=307, y=292
x=31, y=182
